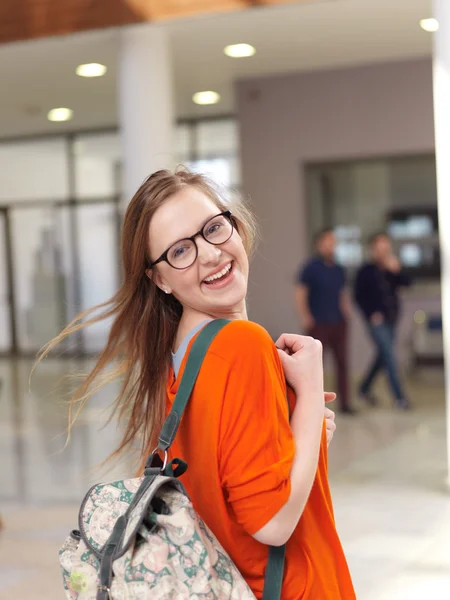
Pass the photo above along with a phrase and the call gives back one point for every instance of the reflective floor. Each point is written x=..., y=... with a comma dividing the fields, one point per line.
x=388, y=477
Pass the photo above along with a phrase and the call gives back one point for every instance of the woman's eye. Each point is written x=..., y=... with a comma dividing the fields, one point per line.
x=179, y=251
x=213, y=228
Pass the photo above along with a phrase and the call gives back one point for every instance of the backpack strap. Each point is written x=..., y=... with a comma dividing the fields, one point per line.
x=193, y=365
x=273, y=579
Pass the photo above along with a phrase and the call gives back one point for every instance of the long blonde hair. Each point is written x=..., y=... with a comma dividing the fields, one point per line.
x=145, y=320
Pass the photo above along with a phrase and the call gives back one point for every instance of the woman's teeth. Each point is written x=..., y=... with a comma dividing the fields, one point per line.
x=218, y=275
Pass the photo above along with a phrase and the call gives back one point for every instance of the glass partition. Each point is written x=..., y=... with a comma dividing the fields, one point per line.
x=5, y=316
x=36, y=170
x=359, y=198
x=98, y=255
x=97, y=161
x=39, y=282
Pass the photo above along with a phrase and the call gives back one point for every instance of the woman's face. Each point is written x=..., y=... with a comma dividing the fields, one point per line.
x=180, y=217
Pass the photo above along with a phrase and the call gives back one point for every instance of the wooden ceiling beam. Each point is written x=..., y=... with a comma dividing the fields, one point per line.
x=28, y=19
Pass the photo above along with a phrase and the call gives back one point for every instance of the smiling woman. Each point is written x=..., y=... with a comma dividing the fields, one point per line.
x=189, y=269
x=253, y=470
x=155, y=298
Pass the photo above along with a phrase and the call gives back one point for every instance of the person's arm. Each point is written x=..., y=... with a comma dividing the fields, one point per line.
x=359, y=290
x=403, y=279
x=302, y=304
x=307, y=424
x=268, y=464
x=302, y=362
x=394, y=266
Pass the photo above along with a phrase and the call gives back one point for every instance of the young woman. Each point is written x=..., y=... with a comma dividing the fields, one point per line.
x=255, y=477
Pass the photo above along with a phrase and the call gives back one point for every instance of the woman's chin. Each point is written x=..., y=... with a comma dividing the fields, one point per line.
x=232, y=304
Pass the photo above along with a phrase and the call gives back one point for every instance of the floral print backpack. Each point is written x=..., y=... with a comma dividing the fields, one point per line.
x=141, y=538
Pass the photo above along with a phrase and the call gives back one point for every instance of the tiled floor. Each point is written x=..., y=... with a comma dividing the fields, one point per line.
x=388, y=476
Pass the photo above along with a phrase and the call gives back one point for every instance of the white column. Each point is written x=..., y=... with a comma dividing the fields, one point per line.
x=145, y=104
x=441, y=80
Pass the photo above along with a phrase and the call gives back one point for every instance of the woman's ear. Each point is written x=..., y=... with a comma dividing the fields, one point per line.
x=158, y=280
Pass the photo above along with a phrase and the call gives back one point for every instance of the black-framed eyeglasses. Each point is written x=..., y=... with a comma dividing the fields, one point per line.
x=183, y=253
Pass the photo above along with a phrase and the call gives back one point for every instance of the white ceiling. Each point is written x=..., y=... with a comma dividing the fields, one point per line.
x=39, y=75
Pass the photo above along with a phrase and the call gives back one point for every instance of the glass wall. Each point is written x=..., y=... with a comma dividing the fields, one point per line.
x=359, y=198
x=35, y=170
x=60, y=199
x=38, y=277
x=97, y=164
x=5, y=316
x=97, y=249
x=215, y=150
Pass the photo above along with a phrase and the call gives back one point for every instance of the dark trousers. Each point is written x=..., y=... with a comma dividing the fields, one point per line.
x=334, y=337
x=383, y=336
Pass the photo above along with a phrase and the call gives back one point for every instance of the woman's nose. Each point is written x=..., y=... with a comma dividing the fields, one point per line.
x=207, y=252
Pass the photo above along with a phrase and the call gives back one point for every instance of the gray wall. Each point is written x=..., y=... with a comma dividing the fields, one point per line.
x=287, y=121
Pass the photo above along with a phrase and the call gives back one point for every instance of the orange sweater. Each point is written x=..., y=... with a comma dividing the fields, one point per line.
x=236, y=438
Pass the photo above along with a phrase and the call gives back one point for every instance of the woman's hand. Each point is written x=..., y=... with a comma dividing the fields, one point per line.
x=377, y=318
x=392, y=264
x=301, y=358
x=331, y=425
x=330, y=417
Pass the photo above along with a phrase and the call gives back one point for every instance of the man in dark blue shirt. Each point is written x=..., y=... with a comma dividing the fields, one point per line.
x=376, y=293
x=323, y=306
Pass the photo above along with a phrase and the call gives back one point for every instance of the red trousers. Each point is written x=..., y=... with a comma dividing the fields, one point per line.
x=334, y=337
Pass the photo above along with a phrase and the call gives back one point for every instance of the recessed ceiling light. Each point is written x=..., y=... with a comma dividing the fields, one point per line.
x=91, y=70
x=60, y=114
x=430, y=25
x=239, y=50
x=208, y=97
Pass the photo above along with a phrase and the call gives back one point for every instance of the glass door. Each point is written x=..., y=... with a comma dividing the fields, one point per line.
x=5, y=292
